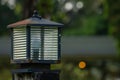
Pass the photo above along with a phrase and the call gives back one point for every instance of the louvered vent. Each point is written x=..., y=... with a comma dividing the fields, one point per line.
x=23, y=76
x=36, y=43
x=50, y=43
x=19, y=43
x=44, y=43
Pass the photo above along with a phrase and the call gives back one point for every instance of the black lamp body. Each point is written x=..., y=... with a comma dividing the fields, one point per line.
x=35, y=45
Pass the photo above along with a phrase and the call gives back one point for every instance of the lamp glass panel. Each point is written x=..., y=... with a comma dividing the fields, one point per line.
x=44, y=43
x=19, y=43
x=50, y=43
x=36, y=43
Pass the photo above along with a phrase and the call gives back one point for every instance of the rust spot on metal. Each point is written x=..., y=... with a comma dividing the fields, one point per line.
x=22, y=23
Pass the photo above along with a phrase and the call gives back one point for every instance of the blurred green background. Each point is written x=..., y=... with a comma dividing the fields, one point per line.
x=81, y=18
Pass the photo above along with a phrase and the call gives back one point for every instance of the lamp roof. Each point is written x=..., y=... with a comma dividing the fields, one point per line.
x=35, y=20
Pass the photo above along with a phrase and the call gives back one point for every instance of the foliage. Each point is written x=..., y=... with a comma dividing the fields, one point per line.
x=114, y=19
x=7, y=16
x=89, y=20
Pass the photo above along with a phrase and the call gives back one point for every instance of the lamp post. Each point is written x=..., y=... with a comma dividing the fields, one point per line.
x=35, y=45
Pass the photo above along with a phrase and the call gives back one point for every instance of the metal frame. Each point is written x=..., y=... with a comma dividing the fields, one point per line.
x=42, y=43
x=42, y=25
x=33, y=70
x=13, y=76
x=59, y=43
x=36, y=72
x=28, y=60
x=35, y=61
x=11, y=35
x=28, y=42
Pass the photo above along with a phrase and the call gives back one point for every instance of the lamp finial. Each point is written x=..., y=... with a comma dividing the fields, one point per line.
x=35, y=14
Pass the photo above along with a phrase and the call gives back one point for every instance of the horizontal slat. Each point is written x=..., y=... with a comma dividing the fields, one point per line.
x=19, y=57
x=35, y=28
x=19, y=36
x=19, y=33
x=36, y=39
x=52, y=51
x=24, y=49
x=49, y=38
x=19, y=41
x=50, y=29
x=47, y=52
x=46, y=39
x=50, y=55
x=32, y=49
x=45, y=56
x=32, y=52
x=19, y=49
x=50, y=48
x=49, y=58
x=19, y=45
x=19, y=30
x=51, y=41
x=50, y=34
x=35, y=31
x=50, y=45
x=21, y=52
